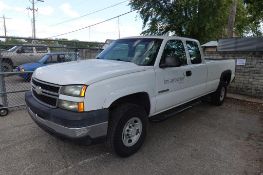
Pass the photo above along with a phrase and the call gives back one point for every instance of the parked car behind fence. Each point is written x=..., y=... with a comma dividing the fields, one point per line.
x=47, y=59
x=26, y=50
x=18, y=55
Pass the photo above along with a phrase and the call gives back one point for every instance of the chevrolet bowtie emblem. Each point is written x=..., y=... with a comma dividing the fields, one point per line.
x=38, y=90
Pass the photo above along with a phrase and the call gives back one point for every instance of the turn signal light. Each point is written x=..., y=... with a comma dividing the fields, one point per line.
x=83, y=90
x=80, y=106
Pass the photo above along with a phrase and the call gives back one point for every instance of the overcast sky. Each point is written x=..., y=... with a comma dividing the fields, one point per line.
x=52, y=12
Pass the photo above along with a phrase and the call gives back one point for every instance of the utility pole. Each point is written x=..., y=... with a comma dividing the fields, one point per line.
x=4, y=18
x=231, y=19
x=4, y=24
x=119, y=32
x=34, y=18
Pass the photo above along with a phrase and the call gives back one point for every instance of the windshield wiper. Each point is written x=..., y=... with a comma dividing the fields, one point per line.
x=122, y=60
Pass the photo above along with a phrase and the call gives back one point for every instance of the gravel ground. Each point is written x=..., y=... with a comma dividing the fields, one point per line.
x=202, y=140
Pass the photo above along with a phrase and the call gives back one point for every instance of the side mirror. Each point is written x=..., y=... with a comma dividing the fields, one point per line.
x=19, y=51
x=170, y=61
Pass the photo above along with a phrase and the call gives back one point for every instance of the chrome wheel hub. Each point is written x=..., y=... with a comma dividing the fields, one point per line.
x=132, y=131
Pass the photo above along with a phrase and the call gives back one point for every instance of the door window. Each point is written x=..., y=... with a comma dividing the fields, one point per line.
x=61, y=58
x=194, y=52
x=26, y=49
x=49, y=60
x=56, y=59
x=41, y=49
x=175, y=50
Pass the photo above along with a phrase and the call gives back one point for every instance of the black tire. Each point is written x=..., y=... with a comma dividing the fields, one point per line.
x=218, y=97
x=119, y=118
x=6, y=66
x=28, y=77
x=3, y=112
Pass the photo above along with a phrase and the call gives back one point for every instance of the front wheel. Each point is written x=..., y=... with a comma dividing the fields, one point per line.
x=218, y=97
x=6, y=67
x=127, y=129
x=28, y=77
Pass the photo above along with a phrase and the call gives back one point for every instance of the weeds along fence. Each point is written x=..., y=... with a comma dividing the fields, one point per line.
x=19, y=57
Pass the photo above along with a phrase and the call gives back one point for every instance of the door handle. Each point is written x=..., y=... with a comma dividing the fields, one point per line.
x=188, y=73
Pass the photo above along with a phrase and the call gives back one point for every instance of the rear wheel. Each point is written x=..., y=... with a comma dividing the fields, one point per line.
x=218, y=97
x=127, y=129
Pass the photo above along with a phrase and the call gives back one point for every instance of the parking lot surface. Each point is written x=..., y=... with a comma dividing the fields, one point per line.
x=202, y=140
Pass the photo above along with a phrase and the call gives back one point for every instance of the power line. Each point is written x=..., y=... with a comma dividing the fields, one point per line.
x=87, y=14
x=92, y=24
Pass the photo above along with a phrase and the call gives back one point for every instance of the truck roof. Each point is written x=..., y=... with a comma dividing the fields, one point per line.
x=162, y=37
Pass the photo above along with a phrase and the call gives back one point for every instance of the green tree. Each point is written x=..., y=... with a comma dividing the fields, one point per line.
x=255, y=17
x=201, y=19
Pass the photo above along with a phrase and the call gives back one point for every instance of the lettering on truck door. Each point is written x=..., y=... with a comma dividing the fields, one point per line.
x=170, y=80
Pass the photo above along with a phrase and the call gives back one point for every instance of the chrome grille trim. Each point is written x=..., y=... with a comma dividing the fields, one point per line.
x=45, y=92
x=43, y=82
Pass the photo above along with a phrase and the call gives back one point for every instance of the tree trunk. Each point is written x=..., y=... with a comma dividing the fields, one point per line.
x=231, y=19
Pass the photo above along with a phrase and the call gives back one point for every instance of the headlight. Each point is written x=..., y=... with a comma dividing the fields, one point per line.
x=72, y=106
x=74, y=90
x=22, y=69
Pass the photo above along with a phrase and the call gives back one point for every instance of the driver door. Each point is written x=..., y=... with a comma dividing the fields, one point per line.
x=24, y=55
x=170, y=79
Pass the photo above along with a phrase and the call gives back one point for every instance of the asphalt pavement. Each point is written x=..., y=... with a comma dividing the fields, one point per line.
x=202, y=140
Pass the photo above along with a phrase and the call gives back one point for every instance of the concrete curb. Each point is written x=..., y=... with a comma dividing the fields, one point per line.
x=244, y=98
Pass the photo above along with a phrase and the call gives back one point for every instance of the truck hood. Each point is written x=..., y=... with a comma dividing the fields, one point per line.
x=85, y=71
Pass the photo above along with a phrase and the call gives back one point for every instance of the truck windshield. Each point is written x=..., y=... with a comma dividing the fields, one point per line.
x=141, y=51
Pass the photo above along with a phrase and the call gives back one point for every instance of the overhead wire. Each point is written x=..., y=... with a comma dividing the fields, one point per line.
x=82, y=28
x=87, y=14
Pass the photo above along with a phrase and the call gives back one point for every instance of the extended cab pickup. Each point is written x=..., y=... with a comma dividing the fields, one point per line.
x=22, y=54
x=132, y=80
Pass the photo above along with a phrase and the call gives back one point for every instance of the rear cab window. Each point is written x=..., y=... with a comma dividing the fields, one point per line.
x=194, y=52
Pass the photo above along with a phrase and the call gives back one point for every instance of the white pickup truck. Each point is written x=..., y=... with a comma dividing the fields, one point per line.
x=131, y=81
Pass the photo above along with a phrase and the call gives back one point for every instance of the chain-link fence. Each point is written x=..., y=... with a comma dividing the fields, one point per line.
x=20, y=57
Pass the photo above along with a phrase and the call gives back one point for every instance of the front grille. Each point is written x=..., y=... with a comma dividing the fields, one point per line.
x=46, y=86
x=44, y=92
x=45, y=99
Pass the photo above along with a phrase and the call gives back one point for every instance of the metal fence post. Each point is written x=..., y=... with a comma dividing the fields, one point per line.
x=2, y=85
